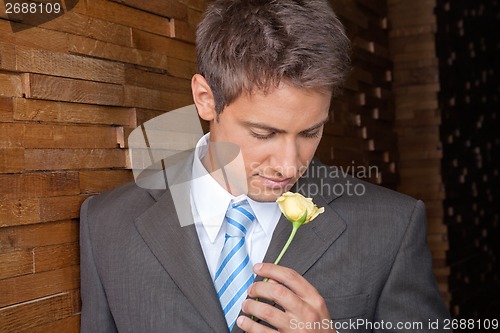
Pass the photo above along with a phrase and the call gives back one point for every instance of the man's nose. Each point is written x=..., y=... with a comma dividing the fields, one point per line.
x=287, y=160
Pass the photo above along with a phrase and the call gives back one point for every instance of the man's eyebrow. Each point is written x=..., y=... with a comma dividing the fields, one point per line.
x=278, y=130
x=318, y=125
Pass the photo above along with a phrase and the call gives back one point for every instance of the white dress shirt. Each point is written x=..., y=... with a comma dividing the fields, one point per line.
x=209, y=204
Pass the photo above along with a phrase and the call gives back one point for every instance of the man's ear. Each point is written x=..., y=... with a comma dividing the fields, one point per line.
x=203, y=98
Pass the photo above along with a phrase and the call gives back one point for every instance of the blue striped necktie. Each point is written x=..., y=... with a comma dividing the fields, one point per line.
x=234, y=273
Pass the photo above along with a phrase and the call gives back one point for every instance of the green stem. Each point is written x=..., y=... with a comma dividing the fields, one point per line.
x=295, y=227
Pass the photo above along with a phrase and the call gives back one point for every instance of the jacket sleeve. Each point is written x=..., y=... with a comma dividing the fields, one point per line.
x=410, y=296
x=96, y=316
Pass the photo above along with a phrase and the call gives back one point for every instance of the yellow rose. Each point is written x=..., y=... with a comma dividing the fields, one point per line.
x=295, y=205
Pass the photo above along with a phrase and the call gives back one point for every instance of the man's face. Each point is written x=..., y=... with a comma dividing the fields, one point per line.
x=277, y=133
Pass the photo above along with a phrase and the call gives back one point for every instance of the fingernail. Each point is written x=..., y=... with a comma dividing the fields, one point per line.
x=240, y=321
x=257, y=267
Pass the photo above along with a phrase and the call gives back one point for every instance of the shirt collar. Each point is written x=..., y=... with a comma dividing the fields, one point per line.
x=212, y=200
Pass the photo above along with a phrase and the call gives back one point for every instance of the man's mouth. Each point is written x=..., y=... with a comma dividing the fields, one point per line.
x=276, y=182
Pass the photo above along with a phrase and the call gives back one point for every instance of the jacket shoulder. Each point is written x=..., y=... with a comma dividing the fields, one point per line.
x=353, y=197
x=120, y=204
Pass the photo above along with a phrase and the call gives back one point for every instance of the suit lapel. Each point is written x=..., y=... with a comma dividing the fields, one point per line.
x=168, y=230
x=310, y=242
x=179, y=251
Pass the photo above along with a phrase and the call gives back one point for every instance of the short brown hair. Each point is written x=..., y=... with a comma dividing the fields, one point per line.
x=248, y=44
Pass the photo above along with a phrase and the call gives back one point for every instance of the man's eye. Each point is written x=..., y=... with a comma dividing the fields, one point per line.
x=311, y=135
x=261, y=136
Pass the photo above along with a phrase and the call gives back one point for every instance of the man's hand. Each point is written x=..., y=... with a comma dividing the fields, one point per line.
x=300, y=300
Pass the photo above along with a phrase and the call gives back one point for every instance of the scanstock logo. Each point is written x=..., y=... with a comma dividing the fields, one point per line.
x=25, y=14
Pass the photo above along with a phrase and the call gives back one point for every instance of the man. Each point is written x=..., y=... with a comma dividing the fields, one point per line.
x=267, y=72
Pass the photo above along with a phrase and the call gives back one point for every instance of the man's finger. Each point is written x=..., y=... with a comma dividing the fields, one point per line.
x=250, y=326
x=290, y=278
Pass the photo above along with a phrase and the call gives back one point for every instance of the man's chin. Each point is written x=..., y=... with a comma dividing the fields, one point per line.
x=266, y=196
x=263, y=198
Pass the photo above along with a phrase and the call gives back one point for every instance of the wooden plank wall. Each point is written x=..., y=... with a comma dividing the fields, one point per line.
x=360, y=136
x=468, y=52
x=70, y=89
x=418, y=119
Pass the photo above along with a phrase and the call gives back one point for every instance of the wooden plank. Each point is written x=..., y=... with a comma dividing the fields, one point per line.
x=6, y=109
x=412, y=14
x=7, y=57
x=198, y=5
x=19, y=135
x=407, y=44
x=421, y=63
x=74, y=159
x=100, y=181
x=166, y=8
x=50, y=111
x=410, y=47
x=91, y=27
x=72, y=90
x=66, y=65
x=159, y=44
x=417, y=76
x=10, y=85
x=29, y=211
x=416, y=102
x=11, y=160
x=183, y=31
x=127, y=16
x=26, y=316
x=151, y=80
x=181, y=68
x=195, y=16
x=425, y=138
x=413, y=30
x=413, y=18
x=41, y=234
x=419, y=121
x=422, y=172
x=67, y=325
x=419, y=163
x=103, y=50
x=60, y=208
x=421, y=152
x=411, y=57
x=33, y=185
x=29, y=287
x=358, y=74
x=144, y=115
x=49, y=258
x=370, y=60
x=417, y=91
x=16, y=263
x=347, y=11
x=33, y=37
x=17, y=212
x=154, y=99
x=379, y=7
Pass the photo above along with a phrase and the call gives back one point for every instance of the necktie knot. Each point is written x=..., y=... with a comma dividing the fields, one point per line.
x=239, y=217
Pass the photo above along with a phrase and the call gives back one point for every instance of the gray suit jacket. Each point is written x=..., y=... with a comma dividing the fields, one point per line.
x=367, y=256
